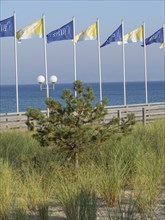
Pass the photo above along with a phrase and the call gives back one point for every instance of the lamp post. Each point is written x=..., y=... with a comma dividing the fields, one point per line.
x=53, y=80
x=41, y=79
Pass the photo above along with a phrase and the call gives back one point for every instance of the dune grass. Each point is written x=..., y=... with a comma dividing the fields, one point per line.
x=32, y=177
x=6, y=190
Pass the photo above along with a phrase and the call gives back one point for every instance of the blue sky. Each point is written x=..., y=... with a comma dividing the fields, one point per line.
x=60, y=54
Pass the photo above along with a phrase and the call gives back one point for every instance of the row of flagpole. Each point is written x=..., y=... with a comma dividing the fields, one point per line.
x=45, y=61
x=94, y=34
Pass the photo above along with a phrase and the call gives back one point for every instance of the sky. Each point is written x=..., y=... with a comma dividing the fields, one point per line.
x=60, y=54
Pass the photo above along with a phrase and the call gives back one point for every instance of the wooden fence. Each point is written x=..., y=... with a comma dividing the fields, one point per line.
x=142, y=112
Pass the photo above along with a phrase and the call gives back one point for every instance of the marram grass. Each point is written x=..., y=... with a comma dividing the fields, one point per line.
x=6, y=190
x=135, y=163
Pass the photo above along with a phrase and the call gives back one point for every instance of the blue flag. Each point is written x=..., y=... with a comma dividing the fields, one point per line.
x=157, y=37
x=7, y=27
x=63, y=33
x=116, y=36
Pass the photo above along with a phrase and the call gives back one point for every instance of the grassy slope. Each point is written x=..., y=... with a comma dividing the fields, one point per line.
x=32, y=176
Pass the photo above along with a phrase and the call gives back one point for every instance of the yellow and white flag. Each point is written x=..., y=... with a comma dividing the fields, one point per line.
x=134, y=36
x=32, y=31
x=162, y=45
x=90, y=33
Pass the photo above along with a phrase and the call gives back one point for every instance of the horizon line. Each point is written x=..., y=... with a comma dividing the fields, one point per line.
x=139, y=81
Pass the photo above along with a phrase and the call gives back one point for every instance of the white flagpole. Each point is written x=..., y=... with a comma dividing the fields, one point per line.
x=123, y=56
x=74, y=54
x=99, y=60
x=45, y=59
x=145, y=64
x=164, y=43
x=16, y=63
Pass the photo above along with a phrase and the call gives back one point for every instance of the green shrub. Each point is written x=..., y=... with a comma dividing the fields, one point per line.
x=18, y=148
x=21, y=150
x=77, y=125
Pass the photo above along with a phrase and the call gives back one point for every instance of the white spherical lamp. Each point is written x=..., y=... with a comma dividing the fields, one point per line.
x=53, y=79
x=41, y=79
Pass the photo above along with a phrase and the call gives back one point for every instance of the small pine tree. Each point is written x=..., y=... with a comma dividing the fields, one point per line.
x=75, y=126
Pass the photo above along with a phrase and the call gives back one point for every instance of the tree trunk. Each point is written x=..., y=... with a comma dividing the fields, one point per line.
x=76, y=159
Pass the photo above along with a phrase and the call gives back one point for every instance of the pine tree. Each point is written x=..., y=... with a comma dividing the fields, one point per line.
x=75, y=126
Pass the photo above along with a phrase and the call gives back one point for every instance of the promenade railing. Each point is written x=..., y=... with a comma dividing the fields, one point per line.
x=142, y=112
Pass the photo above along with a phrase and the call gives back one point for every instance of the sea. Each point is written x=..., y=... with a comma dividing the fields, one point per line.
x=32, y=96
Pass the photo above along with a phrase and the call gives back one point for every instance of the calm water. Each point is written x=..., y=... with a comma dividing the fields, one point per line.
x=30, y=95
